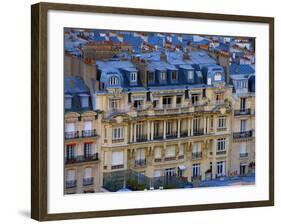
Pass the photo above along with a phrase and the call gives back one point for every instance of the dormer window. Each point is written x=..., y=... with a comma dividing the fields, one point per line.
x=162, y=76
x=114, y=80
x=67, y=102
x=150, y=77
x=190, y=75
x=133, y=76
x=84, y=98
x=218, y=76
x=174, y=76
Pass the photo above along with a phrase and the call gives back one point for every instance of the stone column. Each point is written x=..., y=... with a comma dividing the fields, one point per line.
x=207, y=124
x=214, y=165
x=179, y=128
x=148, y=130
x=204, y=124
x=164, y=130
x=131, y=132
x=188, y=126
x=152, y=130
x=135, y=132
x=191, y=127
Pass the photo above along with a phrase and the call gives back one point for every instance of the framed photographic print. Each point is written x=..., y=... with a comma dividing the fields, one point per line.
x=139, y=111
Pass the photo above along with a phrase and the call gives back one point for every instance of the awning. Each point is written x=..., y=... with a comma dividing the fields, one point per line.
x=182, y=167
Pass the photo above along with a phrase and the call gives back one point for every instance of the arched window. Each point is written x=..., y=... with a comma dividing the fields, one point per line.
x=114, y=80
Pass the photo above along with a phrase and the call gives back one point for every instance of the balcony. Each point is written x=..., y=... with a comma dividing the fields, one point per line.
x=158, y=160
x=88, y=181
x=115, y=167
x=71, y=135
x=70, y=183
x=82, y=158
x=243, y=134
x=170, y=158
x=196, y=155
x=184, y=134
x=141, y=138
x=221, y=128
x=242, y=112
x=221, y=152
x=140, y=163
x=158, y=137
x=171, y=135
x=167, y=106
x=181, y=157
x=243, y=155
x=89, y=133
x=118, y=140
x=198, y=132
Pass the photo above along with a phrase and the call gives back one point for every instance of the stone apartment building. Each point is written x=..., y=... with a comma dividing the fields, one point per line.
x=158, y=115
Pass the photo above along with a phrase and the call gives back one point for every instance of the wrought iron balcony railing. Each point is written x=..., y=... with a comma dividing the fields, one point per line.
x=88, y=181
x=221, y=152
x=242, y=112
x=71, y=134
x=89, y=133
x=115, y=167
x=141, y=138
x=243, y=155
x=171, y=135
x=140, y=162
x=196, y=155
x=170, y=158
x=243, y=134
x=82, y=158
x=70, y=183
x=198, y=132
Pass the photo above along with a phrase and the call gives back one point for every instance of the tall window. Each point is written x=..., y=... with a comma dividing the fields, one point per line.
x=221, y=144
x=222, y=122
x=140, y=154
x=84, y=100
x=243, y=104
x=162, y=76
x=179, y=98
x=117, y=133
x=169, y=127
x=196, y=170
x=156, y=128
x=167, y=101
x=195, y=98
x=150, y=76
x=221, y=168
x=174, y=76
x=196, y=124
x=190, y=75
x=170, y=172
x=219, y=98
x=114, y=104
x=243, y=125
x=138, y=104
x=114, y=80
x=139, y=131
x=87, y=150
x=217, y=76
x=133, y=76
x=70, y=151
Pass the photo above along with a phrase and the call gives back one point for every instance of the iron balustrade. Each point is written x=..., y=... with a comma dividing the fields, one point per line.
x=140, y=162
x=88, y=181
x=198, y=131
x=222, y=152
x=184, y=134
x=158, y=137
x=157, y=160
x=170, y=158
x=242, y=112
x=243, y=134
x=70, y=183
x=117, y=140
x=71, y=134
x=243, y=155
x=82, y=158
x=181, y=157
x=196, y=155
x=89, y=133
x=141, y=138
x=115, y=167
x=171, y=135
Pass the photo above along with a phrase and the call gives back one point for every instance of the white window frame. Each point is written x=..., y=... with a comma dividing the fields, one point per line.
x=221, y=144
x=162, y=76
x=117, y=133
x=222, y=122
x=196, y=170
x=133, y=77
